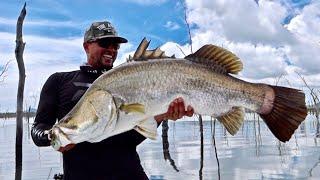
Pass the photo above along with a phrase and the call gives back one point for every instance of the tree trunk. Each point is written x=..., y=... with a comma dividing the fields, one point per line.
x=19, y=127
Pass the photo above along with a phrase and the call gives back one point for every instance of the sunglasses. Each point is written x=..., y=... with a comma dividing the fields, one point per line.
x=108, y=44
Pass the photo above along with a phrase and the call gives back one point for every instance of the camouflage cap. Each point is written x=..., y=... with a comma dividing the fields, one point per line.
x=100, y=30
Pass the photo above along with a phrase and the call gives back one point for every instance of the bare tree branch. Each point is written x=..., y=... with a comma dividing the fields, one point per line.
x=3, y=71
x=181, y=50
x=187, y=23
x=313, y=94
x=277, y=80
x=315, y=101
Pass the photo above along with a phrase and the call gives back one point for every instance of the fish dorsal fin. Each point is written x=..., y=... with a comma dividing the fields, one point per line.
x=220, y=59
x=142, y=54
x=232, y=120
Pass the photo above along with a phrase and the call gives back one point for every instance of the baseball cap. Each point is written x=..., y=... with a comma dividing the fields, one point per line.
x=101, y=30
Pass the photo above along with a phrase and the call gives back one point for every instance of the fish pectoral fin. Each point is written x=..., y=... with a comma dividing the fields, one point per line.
x=232, y=120
x=147, y=128
x=132, y=108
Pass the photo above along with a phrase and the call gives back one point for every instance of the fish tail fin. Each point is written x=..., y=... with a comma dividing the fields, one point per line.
x=288, y=111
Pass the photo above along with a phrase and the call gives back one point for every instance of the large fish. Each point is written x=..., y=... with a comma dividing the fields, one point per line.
x=130, y=95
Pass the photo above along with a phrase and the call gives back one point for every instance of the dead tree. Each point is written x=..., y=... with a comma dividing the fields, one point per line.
x=19, y=57
x=187, y=23
x=316, y=101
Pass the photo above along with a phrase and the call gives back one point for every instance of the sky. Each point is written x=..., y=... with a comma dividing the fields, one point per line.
x=273, y=38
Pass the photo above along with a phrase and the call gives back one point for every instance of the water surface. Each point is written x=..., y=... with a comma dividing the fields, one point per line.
x=253, y=153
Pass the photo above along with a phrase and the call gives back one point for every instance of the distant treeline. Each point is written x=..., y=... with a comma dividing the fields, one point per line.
x=13, y=114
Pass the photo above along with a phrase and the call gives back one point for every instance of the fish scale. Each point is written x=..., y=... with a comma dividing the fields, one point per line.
x=208, y=92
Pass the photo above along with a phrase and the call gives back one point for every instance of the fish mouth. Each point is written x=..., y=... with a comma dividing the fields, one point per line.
x=55, y=143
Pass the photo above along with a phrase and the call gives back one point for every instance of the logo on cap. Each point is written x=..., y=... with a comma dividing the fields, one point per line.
x=102, y=27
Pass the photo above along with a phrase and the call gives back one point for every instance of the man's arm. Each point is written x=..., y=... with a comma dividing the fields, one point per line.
x=46, y=112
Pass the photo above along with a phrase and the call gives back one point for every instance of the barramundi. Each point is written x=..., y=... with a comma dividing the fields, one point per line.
x=131, y=94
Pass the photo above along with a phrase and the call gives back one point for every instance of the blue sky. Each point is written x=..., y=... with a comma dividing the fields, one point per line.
x=67, y=19
x=272, y=38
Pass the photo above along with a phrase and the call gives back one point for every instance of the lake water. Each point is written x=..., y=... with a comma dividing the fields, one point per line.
x=253, y=153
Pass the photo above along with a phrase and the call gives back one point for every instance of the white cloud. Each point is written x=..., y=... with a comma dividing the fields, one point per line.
x=49, y=23
x=124, y=52
x=257, y=35
x=306, y=55
x=306, y=24
x=35, y=78
x=306, y=52
x=172, y=48
x=241, y=22
x=42, y=50
x=172, y=25
x=42, y=57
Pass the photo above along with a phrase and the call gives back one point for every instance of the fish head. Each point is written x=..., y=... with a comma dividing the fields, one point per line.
x=58, y=138
x=90, y=120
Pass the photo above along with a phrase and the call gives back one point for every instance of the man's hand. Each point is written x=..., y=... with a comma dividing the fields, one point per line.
x=66, y=148
x=175, y=111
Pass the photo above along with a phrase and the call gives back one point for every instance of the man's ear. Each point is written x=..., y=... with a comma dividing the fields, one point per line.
x=86, y=46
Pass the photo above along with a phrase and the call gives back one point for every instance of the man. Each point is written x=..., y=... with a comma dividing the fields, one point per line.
x=114, y=157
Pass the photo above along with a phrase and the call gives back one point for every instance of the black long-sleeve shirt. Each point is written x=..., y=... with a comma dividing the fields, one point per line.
x=112, y=158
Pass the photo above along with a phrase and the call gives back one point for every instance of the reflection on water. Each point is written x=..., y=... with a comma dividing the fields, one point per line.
x=252, y=154
x=38, y=163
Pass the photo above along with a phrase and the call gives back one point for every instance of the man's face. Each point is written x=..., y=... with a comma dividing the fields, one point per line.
x=101, y=53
